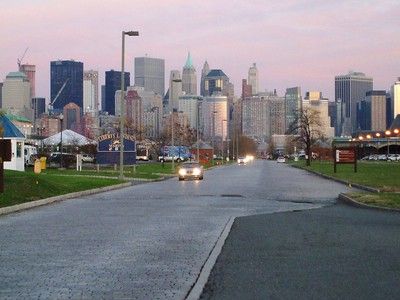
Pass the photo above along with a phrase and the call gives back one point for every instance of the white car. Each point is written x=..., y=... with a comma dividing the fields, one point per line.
x=281, y=159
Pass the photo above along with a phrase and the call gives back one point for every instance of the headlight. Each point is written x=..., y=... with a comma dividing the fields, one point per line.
x=196, y=171
x=182, y=172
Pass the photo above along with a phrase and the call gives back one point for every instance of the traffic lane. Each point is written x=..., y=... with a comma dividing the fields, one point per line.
x=336, y=252
x=146, y=241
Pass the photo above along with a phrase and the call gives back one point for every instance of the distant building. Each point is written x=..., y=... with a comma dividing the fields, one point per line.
x=70, y=73
x=30, y=71
x=351, y=89
x=175, y=90
x=315, y=101
x=395, y=98
x=90, y=91
x=204, y=72
x=253, y=79
x=150, y=74
x=293, y=104
x=189, y=77
x=113, y=84
x=16, y=95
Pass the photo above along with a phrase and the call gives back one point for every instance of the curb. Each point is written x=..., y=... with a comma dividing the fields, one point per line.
x=356, y=185
x=350, y=201
x=32, y=204
x=197, y=288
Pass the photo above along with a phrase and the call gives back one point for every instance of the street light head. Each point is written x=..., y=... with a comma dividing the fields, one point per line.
x=132, y=33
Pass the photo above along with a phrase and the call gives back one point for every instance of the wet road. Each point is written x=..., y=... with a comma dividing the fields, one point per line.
x=146, y=241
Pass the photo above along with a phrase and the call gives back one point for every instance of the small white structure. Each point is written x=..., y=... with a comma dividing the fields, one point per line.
x=11, y=132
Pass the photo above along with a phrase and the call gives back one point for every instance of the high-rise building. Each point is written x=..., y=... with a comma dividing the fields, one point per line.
x=216, y=81
x=16, y=95
x=90, y=91
x=175, y=90
x=215, y=115
x=150, y=74
x=67, y=73
x=189, y=77
x=315, y=101
x=292, y=105
x=30, y=71
x=113, y=84
x=395, y=98
x=204, y=72
x=253, y=79
x=351, y=89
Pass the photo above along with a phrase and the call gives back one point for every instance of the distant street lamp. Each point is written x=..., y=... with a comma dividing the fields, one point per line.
x=61, y=116
x=121, y=121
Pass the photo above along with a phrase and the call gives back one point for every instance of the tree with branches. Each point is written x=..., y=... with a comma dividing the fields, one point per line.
x=306, y=128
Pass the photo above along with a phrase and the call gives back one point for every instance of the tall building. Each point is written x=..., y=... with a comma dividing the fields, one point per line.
x=215, y=116
x=30, y=71
x=292, y=105
x=253, y=79
x=175, y=90
x=70, y=73
x=204, y=72
x=113, y=84
x=395, y=98
x=150, y=74
x=90, y=91
x=216, y=81
x=189, y=77
x=315, y=101
x=351, y=89
x=16, y=95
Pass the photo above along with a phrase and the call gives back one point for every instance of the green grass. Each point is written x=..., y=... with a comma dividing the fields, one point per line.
x=384, y=176
x=20, y=187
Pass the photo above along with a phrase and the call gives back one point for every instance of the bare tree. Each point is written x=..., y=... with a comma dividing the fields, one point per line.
x=306, y=128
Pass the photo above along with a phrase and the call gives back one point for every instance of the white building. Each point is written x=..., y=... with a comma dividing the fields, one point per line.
x=395, y=95
x=17, y=95
x=215, y=116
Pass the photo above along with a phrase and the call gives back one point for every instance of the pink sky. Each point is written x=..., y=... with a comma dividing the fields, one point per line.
x=294, y=43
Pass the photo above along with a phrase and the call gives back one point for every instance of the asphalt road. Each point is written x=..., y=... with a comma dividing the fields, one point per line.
x=336, y=252
x=143, y=242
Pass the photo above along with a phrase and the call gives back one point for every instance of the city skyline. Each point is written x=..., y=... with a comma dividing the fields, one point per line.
x=294, y=43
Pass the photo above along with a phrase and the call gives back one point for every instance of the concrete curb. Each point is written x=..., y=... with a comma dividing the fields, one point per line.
x=356, y=185
x=350, y=201
x=32, y=204
x=197, y=288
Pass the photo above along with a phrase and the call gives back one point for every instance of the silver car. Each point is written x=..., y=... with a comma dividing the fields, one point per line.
x=191, y=170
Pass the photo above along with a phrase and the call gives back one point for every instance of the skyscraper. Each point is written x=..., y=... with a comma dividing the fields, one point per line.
x=175, y=90
x=113, y=84
x=204, y=72
x=30, y=71
x=351, y=89
x=16, y=95
x=189, y=78
x=253, y=79
x=395, y=98
x=70, y=73
x=150, y=74
x=90, y=91
x=292, y=105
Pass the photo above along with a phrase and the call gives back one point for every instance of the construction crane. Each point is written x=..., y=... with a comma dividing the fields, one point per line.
x=58, y=95
x=19, y=60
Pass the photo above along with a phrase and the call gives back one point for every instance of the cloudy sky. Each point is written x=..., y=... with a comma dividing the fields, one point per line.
x=294, y=43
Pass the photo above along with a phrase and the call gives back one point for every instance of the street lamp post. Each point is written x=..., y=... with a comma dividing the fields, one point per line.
x=121, y=121
x=61, y=139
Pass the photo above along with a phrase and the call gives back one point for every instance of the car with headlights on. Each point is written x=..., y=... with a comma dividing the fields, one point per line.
x=191, y=170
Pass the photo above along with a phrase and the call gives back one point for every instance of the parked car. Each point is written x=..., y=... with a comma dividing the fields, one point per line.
x=191, y=170
x=281, y=159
